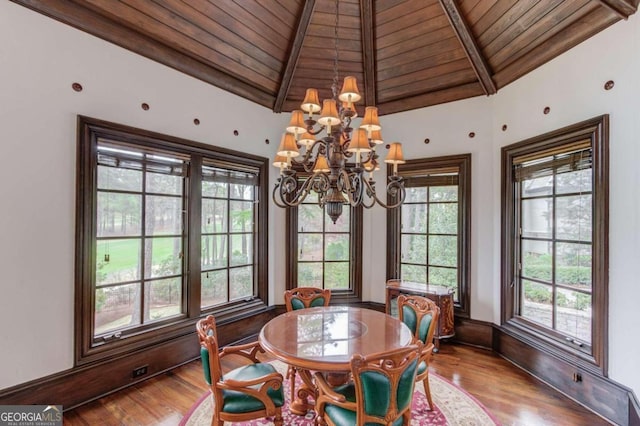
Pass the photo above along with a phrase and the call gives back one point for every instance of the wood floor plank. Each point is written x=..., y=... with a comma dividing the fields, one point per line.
x=513, y=396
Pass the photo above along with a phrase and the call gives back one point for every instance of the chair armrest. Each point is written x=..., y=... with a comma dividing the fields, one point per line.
x=326, y=389
x=248, y=350
x=271, y=377
x=273, y=380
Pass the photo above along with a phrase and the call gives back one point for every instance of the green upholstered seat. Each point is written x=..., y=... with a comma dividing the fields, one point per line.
x=239, y=402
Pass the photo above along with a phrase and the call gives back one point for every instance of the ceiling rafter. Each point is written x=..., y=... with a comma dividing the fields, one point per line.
x=294, y=54
x=469, y=45
x=622, y=8
x=368, y=51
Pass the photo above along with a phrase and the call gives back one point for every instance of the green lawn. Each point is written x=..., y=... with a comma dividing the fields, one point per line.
x=124, y=257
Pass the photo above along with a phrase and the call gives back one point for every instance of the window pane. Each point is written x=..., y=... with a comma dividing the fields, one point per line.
x=118, y=214
x=214, y=189
x=443, y=250
x=241, y=216
x=241, y=284
x=536, y=303
x=443, y=193
x=573, y=265
x=447, y=277
x=579, y=181
x=214, y=215
x=164, y=184
x=242, y=192
x=165, y=298
x=574, y=314
x=117, y=307
x=120, y=179
x=309, y=246
x=241, y=249
x=341, y=225
x=443, y=218
x=537, y=259
x=416, y=195
x=537, y=218
x=336, y=275
x=413, y=273
x=538, y=186
x=573, y=218
x=163, y=257
x=414, y=218
x=336, y=247
x=214, y=251
x=117, y=261
x=310, y=218
x=163, y=215
x=213, y=288
x=310, y=274
x=414, y=248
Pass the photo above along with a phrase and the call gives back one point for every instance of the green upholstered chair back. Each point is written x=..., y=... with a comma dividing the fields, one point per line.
x=384, y=385
x=207, y=335
x=420, y=314
x=306, y=297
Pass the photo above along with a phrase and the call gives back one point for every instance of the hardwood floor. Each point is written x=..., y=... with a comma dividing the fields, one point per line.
x=513, y=396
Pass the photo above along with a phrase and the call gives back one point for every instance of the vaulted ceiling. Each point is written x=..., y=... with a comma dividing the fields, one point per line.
x=406, y=54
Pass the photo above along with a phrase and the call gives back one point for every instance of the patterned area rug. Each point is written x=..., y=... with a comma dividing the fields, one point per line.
x=453, y=406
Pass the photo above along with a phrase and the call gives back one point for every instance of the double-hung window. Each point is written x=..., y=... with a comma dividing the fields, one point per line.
x=429, y=232
x=168, y=230
x=554, y=240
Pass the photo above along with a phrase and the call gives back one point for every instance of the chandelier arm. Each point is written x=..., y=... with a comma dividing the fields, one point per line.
x=287, y=186
x=393, y=187
x=351, y=184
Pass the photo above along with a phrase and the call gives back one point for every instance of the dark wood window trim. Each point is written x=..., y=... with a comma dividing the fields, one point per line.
x=89, y=131
x=355, y=256
x=596, y=130
x=417, y=167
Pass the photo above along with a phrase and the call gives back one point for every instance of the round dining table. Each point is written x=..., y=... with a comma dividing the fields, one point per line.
x=325, y=338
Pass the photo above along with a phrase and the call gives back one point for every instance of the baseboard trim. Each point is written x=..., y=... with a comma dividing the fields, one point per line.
x=79, y=385
x=473, y=332
x=599, y=394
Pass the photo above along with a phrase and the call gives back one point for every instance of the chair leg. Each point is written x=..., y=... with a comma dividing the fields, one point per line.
x=291, y=375
x=427, y=392
x=277, y=421
x=216, y=421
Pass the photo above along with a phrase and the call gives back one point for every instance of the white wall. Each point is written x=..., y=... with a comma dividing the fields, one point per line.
x=40, y=58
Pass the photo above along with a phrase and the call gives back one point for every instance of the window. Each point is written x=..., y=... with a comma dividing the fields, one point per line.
x=168, y=230
x=324, y=254
x=429, y=233
x=554, y=240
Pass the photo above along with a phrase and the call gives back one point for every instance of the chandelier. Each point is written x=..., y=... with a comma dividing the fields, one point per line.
x=335, y=165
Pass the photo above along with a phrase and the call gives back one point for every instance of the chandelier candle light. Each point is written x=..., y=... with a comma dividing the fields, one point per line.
x=336, y=163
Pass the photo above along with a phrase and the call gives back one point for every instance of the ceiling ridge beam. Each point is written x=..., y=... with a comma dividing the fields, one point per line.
x=469, y=45
x=294, y=54
x=368, y=52
x=622, y=8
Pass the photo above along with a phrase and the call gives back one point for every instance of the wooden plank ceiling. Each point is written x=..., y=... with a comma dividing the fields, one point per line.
x=406, y=54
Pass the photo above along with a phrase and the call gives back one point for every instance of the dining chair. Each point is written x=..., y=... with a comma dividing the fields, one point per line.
x=302, y=298
x=380, y=393
x=306, y=297
x=421, y=315
x=249, y=392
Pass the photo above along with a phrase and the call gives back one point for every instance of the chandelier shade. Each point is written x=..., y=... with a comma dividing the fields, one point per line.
x=334, y=166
